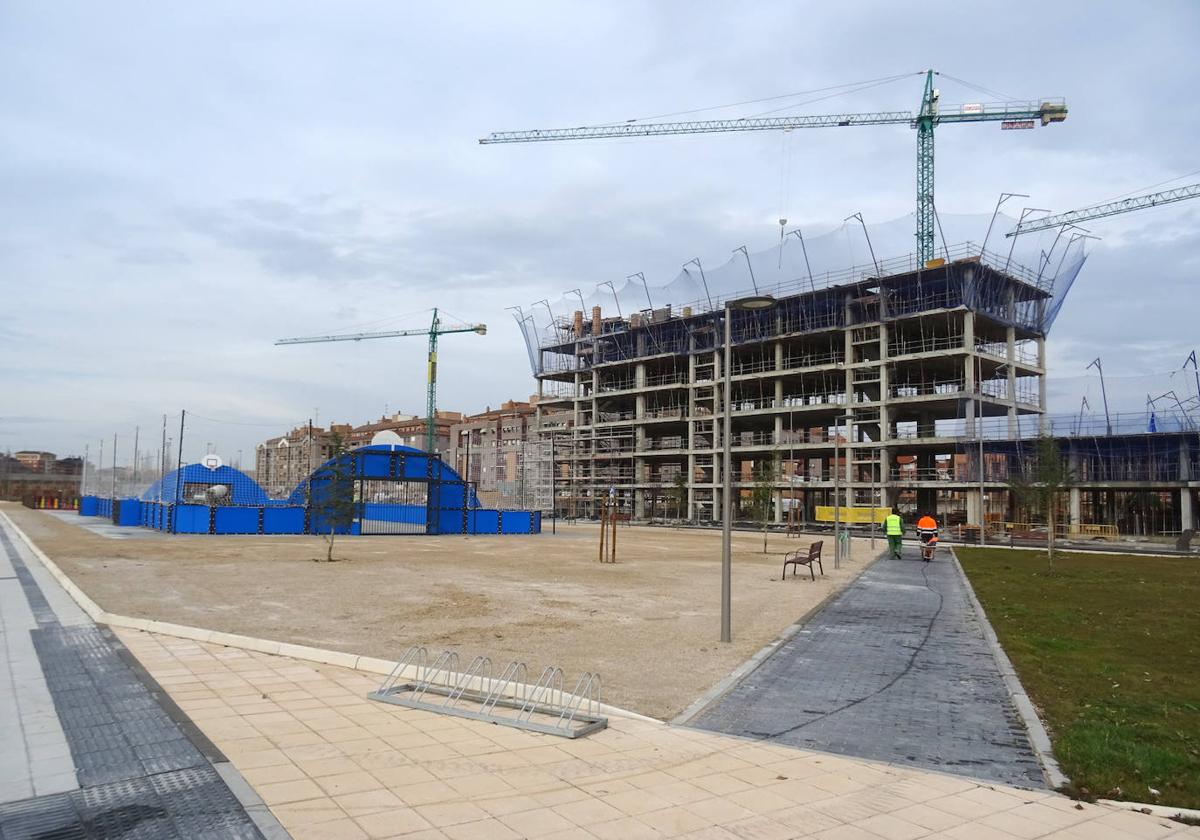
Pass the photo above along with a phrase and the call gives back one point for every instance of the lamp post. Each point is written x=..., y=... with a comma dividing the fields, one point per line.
x=753, y=303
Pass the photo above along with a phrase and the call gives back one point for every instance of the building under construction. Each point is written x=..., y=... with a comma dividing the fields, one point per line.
x=917, y=387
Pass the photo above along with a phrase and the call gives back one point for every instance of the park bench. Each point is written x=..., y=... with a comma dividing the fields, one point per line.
x=805, y=556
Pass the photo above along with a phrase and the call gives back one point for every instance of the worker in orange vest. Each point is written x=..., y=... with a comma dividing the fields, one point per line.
x=927, y=530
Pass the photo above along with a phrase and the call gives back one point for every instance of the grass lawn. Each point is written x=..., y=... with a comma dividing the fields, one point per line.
x=1108, y=647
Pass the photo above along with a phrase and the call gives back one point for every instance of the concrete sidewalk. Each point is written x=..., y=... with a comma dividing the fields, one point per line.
x=87, y=749
x=895, y=668
x=334, y=765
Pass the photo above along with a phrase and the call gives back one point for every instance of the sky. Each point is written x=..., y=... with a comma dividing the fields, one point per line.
x=182, y=184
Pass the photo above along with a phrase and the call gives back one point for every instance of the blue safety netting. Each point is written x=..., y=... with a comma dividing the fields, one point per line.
x=391, y=463
x=200, y=484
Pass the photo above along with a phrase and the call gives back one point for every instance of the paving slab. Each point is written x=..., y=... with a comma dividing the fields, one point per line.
x=89, y=748
x=410, y=772
x=895, y=668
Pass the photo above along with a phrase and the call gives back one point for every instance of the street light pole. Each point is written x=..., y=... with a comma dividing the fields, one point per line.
x=837, y=493
x=979, y=434
x=727, y=483
x=757, y=302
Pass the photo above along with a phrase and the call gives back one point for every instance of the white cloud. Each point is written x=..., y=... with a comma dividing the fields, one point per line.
x=180, y=186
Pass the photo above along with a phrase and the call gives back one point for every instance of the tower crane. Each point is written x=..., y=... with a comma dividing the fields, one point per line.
x=435, y=329
x=1010, y=115
x=1111, y=208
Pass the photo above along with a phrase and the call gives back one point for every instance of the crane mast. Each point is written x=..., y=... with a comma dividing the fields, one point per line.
x=435, y=329
x=1011, y=115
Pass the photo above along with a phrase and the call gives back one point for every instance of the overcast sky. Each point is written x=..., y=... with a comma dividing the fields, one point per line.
x=183, y=183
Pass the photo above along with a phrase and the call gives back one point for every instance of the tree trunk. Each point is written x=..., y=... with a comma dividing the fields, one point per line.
x=329, y=552
x=1050, y=533
x=764, y=537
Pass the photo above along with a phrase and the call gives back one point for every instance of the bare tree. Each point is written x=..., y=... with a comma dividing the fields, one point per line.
x=1039, y=484
x=332, y=503
x=679, y=490
x=762, y=495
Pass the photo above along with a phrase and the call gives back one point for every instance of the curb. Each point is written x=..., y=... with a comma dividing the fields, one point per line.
x=1039, y=739
x=754, y=662
x=258, y=812
x=1165, y=811
x=304, y=653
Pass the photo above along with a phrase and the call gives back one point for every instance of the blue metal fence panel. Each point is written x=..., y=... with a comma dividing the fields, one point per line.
x=89, y=506
x=515, y=522
x=191, y=519
x=485, y=521
x=236, y=520
x=283, y=520
x=129, y=512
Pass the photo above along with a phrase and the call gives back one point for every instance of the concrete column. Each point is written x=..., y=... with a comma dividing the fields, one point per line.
x=926, y=426
x=778, y=355
x=639, y=496
x=778, y=428
x=778, y=507
x=1041, y=360
x=689, y=512
x=848, y=348
x=1187, y=514
x=1010, y=376
x=974, y=507
x=639, y=375
x=1075, y=493
x=969, y=371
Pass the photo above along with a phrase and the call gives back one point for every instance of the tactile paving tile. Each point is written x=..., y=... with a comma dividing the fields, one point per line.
x=42, y=613
x=141, y=778
x=195, y=790
x=191, y=804
x=125, y=809
x=44, y=818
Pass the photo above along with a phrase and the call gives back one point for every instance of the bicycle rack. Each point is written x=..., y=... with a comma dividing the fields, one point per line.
x=507, y=700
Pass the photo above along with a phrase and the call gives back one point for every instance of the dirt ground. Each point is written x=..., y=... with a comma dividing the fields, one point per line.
x=649, y=624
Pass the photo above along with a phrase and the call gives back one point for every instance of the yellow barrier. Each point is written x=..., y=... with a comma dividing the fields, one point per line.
x=853, y=515
x=1078, y=530
x=1095, y=532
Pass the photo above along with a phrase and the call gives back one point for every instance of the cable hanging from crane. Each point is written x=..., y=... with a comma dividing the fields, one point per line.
x=840, y=88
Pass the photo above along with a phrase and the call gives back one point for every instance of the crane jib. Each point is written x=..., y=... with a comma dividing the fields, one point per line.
x=1013, y=113
x=1047, y=111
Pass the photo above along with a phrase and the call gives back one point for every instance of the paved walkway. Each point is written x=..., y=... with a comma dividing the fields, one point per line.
x=334, y=765
x=896, y=668
x=86, y=748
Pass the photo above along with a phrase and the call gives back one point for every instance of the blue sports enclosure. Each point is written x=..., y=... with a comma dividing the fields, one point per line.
x=390, y=489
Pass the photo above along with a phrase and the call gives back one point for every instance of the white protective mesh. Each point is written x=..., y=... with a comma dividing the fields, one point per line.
x=836, y=257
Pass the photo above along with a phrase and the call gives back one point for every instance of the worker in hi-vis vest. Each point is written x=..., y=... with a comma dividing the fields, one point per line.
x=894, y=528
x=927, y=532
